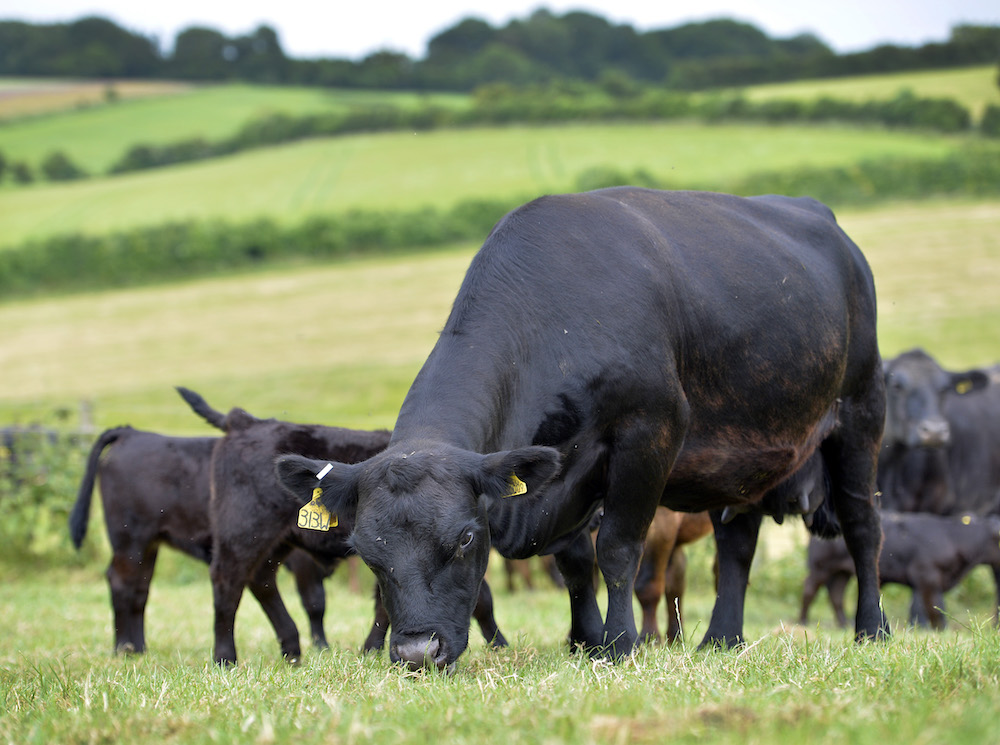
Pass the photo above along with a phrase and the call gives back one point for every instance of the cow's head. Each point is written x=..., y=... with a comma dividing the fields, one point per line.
x=421, y=525
x=915, y=390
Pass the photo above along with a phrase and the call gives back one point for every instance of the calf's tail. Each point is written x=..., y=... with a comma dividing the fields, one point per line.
x=200, y=406
x=80, y=515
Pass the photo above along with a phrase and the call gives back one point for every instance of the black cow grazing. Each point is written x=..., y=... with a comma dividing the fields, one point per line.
x=255, y=524
x=630, y=348
x=941, y=446
x=928, y=553
x=155, y=490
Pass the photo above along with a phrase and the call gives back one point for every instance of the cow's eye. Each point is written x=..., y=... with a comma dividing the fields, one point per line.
x=463, y=544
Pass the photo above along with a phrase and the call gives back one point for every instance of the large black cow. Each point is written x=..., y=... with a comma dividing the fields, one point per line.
x=941, y=446
x=626, y=348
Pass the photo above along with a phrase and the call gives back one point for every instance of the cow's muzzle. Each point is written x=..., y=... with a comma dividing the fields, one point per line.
x=421, y=651
x=932, y=433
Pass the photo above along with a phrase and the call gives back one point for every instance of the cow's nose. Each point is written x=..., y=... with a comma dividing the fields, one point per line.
x=934, y=432
x=418, y=652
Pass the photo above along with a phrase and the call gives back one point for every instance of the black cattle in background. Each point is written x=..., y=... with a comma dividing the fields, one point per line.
x=929, y=553
x=155, y=491
x=623, y=348
x=255, y=522
x=941, y=447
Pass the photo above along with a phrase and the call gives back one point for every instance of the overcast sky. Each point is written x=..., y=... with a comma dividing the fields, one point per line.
x=334, y=28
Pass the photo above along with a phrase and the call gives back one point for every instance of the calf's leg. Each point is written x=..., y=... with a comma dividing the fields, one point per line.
x=129, y=575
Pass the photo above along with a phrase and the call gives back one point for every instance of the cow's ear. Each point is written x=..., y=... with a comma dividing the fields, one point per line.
x=969, y=381
x=300, y=476
x=511, y=473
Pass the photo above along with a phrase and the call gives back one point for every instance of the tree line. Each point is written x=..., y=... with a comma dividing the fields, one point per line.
x=542, y=48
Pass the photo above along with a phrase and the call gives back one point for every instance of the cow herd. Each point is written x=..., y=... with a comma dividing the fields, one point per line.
x=622, y=372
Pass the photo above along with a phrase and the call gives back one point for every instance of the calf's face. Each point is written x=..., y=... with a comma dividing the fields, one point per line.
x=421, y=524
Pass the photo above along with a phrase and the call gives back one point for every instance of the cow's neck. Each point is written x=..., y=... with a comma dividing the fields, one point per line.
x=464, y=396
x=481, y=400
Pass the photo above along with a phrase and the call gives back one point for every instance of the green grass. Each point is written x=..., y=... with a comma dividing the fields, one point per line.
x=438, y=168
x=95, y=137
x=340, y=344
x=973, y=87
x=59, y=682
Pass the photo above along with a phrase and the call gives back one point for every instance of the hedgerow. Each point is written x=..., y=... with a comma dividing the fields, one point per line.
x=185, y=249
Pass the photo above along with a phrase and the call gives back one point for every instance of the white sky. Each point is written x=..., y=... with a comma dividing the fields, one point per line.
x=335, y=28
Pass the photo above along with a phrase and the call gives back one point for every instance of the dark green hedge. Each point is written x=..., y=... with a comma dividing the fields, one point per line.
x=186, y=249
x=504, y=104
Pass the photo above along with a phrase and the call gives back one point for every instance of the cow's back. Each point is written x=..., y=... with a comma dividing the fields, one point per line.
x=159, y=486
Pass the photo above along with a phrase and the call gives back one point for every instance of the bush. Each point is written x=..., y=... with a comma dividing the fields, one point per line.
x=990, y=124
x=58, y=167
x=187, y=249
x=40, y=471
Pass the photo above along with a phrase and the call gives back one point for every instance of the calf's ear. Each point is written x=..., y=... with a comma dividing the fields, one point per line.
x=299, y=476
x=511, y=473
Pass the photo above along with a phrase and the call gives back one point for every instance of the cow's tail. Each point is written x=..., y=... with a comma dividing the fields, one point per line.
x=80, y=515
x=200, y=406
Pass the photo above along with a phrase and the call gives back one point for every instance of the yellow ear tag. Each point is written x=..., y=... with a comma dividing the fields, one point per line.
x=966, y=520
x=515, y=486
x=964, y=387
x=314, y=516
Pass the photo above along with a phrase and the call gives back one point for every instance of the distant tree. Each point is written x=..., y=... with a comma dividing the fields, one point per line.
x=385, y=69
x=89, y=47
x=22, y=172
x=58, y=167
x=202, y=54
x=100, y=48
x=463, y=40
x=258, y=57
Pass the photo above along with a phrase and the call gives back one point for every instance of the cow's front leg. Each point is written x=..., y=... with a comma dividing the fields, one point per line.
x=736, y=542
x=618, y=557
x=576, y=564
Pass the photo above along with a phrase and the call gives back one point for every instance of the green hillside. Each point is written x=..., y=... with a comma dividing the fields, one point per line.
x=438, y=168
x=96, y=136
x=973, y=87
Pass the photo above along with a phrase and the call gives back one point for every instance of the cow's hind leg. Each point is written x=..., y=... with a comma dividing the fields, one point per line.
x=736, y=542
x=850, y=457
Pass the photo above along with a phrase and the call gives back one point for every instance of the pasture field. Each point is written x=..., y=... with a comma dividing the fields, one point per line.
x=394, y=171
x=96, y=136
x=973, y=87
x=790, y=685
x=340, y=343
x=32, y=97
x=78, y=120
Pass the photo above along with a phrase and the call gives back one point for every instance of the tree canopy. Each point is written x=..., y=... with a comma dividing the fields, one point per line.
x=541, y=48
